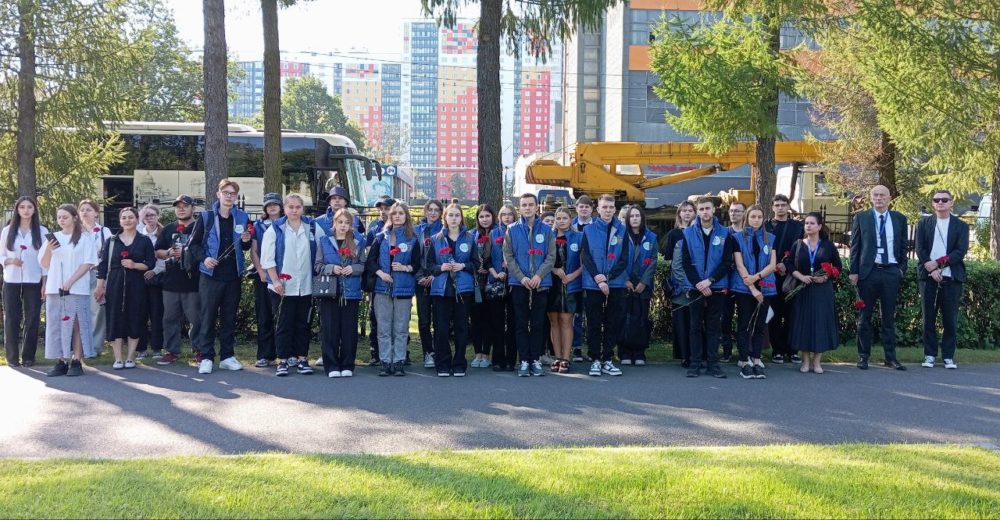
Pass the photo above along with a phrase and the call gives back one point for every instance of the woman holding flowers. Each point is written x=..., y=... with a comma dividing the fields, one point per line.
x=815, y=263
x=23, y=282
x=394, y=259
x=69, y=256
x=487, y=314
x=754, y=283
x=504, y=350
x=343, y=256
x=453, y=264
x=121, y=284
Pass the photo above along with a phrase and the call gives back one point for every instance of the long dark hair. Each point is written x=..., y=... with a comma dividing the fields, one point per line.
x=642, y=220
x=483, y=232
x=77, y=225
x=824, y=234
x=15, y=224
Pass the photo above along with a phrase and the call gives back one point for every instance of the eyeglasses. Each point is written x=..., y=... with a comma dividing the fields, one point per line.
x=228, y=193
x=941, y=201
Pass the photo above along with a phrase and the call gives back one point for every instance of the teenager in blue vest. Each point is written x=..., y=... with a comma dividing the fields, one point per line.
x=395, y=260
x=374, y=229
x=453, y=264
x=337, y=199
x=487, y=314
x=737, y=222
x=267, y=353
x=288, y=254
x=430, y=226
x=755, y=286
x=564, y=296
x=343, y=255
x=224, y=235
x=529, y=250
x=641, y=251
x=505, y=351
x=584, y=217
x=604, y=264
x=674, y=285
x=707, y=261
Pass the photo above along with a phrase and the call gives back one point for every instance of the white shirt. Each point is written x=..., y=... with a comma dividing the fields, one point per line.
x=940, y=247
x=297, y=261
x=31, y=271
x=161, y=265
x=888, y=237
x=66, y=259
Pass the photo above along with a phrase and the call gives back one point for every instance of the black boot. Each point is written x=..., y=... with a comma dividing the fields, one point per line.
x=59, y=369
x=75, y=368
x=398, y=369
x=386, y=370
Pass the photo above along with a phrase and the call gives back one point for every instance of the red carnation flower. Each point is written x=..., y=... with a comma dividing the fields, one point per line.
x=941, y=261
x=725, y=291
x=611, y=256
x=859, y=304
x=23, y=247
x=499, y=240
x=830, y=269
x=483, y=239
x=284, y=276
x=250, y=228
x=394, y=251
x=344, y=251
x=181, y=228
x=788, y=253
x=65, y=318
x=647, y=261
x=445, y=251
x=97, y=229
x=124, y=254
x=427, y=241
x=561, y=241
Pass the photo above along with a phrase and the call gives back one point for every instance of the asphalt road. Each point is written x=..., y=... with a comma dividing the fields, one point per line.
x=152, y=411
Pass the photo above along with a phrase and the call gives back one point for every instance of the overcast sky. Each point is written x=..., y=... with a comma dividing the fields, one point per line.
x=317, y=25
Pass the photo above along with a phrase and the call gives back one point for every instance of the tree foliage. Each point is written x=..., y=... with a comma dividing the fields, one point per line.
x=306, y=106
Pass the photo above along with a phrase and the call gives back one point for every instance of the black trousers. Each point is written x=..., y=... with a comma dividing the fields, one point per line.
x=882, y=285
x=264, y=314
x=425, y=317
x=529, y=322
x=728, y=336
x=338, y=333
x=639, y=305
x=781, y=324
x=604, y=318
x=372, y=329
x=752, y=325
x=944, y=297
x=505, y=350
x=487, y=326
x=153, y=335
x=706, y=320
x=681, y=333
x=292, y=315
x=451, y=315
x=219, y=301
x=22, y=308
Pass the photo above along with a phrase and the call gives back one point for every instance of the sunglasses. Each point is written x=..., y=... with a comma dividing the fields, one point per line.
x=941, y=201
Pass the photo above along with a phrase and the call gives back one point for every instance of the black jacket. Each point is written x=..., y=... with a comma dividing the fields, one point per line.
x=956, y=245
x=864, y=242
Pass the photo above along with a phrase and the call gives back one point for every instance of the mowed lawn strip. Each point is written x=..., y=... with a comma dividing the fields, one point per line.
x=806, y=481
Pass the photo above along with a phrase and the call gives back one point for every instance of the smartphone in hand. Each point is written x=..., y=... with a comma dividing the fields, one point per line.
x=51, y=237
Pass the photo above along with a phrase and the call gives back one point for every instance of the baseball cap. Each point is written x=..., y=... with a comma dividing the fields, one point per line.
x=183, y=199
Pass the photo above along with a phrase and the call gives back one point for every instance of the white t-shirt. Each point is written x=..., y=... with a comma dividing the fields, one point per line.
x=940, y=247
x=66, y=259
x=31, y=272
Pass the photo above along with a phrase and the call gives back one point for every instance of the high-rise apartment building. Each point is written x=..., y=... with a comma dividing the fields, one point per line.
x=250, y=91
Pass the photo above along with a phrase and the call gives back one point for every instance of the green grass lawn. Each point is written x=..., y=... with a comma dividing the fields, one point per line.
x=846, y=481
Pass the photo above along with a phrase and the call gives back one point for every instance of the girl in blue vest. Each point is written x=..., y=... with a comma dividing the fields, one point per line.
x=343, y=256
x=641, y=251
x=564, y=296
x=266, y=351
x=672, y=289
x=487, y=314
x=453, y=263
x=754, y=283
x=505, y=351
x=395, y=259
x=430, y=226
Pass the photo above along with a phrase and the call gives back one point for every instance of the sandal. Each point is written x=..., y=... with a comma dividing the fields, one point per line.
x=563, y=367
x=555, y=365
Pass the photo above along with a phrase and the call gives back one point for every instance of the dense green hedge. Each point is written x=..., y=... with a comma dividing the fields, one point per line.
x=978, y=317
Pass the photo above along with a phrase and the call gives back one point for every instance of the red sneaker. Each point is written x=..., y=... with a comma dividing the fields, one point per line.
x=167, y=359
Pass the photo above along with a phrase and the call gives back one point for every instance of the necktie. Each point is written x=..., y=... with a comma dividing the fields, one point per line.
x=883, y=257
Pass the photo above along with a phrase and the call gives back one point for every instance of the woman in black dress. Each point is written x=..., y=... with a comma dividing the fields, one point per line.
x=814, y=323
x=126, y=256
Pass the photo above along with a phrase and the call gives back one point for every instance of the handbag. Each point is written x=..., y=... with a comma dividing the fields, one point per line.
x=324, y=286
x=791, y=282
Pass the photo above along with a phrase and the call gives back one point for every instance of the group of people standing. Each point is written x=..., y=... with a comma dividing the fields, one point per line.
x=519, y=285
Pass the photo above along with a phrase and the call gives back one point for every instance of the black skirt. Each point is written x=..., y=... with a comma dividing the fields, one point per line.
x=559, y=301
x=814, y=319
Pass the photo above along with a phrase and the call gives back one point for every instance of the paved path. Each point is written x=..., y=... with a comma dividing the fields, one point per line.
x=152, y=411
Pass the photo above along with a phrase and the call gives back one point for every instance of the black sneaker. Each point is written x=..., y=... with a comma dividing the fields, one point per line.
x=75, y=368
x=716, y=372
x=386, y=370
x=863, y=363
x=778, y=358
x=758, y=372
x=694, y=372
x=686, y=363
x=726, y=358
x=59, y=369
x=796, y=358
x=282, y=370
x=15, y=364
x=28, y=363
x=577, y=354
x=303, y=367
x=397, y=369
x=746, y=372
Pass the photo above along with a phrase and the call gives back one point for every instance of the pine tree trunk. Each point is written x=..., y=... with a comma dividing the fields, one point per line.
x=766, y=176
x=26, y=103
x=995, y=211
x=488, y=90
x=272, y=98
x=216, y=109
x=886, y=163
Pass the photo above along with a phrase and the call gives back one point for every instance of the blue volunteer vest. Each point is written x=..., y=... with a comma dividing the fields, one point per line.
x=331, y=256
x=600, y=246
x=524, y=239
x=745, y=242
x=210, y=240
x=696, y=248
x=464, y=249
x=480, y=247
x=404, y=284
x=574, y=240
x=643, y=258
x=496, y=256
x=325, y=222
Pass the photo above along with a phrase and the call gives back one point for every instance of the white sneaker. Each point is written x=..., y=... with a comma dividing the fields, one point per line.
x=428, y=360
x=928, y=362
x=626, y=361
x=545, y=359
x=610, y=369
x=230, y=363
x=346, y=373
x=950, y=363
x=205, y=367
x=639, y=362
x=334, y=374
x=595, y=368
x=319, y=362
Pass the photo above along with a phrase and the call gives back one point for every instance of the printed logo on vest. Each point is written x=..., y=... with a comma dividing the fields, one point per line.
x=539, y=238
x=404, y=247
x=574, y=248
x=238, y=228
x=614, y=240
x=767, y=250
x=646, y=246
x=716, y=241
x=463, y=248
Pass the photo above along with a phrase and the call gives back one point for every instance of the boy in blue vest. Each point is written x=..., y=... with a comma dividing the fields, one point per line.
x=529, y=248
x=224, y=235
x=604, y=261
x=584, y=217
x=707, y=259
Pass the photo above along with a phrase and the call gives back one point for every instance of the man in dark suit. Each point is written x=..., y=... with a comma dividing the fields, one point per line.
x=878, y=262
x=942, y=242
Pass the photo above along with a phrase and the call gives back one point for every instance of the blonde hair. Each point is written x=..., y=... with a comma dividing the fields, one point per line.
x=407, y=224
x=156, y=211
x=444, y=227
x=229, y=182
x=349, y=241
